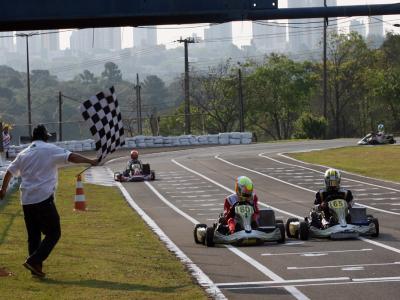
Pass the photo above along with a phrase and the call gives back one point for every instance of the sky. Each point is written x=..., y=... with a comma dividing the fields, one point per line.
x=241, y=30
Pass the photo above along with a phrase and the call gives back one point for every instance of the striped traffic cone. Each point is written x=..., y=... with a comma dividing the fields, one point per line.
x=80, y=203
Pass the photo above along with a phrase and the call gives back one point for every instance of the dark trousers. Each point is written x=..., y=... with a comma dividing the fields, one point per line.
x=41, y=218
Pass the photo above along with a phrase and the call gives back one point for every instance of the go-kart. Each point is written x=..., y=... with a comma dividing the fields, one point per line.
x=373, y=139
x=136, y=173
x=344, y=223
x=267, y=230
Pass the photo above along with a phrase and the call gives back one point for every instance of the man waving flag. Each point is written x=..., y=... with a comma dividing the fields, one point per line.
x=105, y=121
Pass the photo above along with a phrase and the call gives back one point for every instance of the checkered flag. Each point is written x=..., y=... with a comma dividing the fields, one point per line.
x=104, y=117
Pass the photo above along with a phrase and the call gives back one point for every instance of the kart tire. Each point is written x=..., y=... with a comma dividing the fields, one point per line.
x=376, y=222
x=196, y=240
x=153, y=176
x=209, y=238
x=282, y=230
x=303, y=231
x=279, y=221
x=290, y=220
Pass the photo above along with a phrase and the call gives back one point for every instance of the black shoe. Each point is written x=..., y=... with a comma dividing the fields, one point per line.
x=36, y=269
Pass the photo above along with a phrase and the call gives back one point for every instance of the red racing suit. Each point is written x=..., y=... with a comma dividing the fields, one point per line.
x=229, y=213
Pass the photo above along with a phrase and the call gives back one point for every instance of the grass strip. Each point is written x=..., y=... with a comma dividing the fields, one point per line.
x=105, y=253
x=378, y=161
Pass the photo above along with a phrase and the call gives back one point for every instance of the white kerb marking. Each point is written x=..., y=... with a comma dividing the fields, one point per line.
x=315, y=253
x=344, y=266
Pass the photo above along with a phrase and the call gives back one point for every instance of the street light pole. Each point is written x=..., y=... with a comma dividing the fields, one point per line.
x=27, y=35
x=325, y=70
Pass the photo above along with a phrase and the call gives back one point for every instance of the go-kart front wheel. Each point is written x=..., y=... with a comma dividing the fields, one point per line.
x=196, y=237
x=209, y=238
x=303, y=231
x=288, y=233
x=282, y=230
x=376, y=223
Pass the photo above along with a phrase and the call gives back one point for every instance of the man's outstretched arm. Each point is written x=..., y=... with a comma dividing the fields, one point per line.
x=80, y=159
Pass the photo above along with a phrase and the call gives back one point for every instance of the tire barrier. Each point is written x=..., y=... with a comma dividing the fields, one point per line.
x=141, y=141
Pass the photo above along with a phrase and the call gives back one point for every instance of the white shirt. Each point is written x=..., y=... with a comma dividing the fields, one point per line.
x=37, y=166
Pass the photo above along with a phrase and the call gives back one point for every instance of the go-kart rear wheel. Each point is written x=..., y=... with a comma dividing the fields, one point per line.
x=290, y=220
x=209, y=239
x=153, y=176
x=196, y=239
x=376, y=222
x=282, y=230
x=279, y=221
x=303, y=231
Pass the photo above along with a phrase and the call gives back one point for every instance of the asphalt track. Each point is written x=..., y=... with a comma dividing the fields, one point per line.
x=190, y=188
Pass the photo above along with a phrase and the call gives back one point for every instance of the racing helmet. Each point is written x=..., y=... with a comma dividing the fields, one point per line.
x=134, y=154
x=244, y=188
x=381, y=127
x=332, y=179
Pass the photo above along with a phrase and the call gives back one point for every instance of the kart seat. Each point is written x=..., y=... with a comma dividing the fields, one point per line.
x=146, y=169
x=267, y=218
x=358, y=215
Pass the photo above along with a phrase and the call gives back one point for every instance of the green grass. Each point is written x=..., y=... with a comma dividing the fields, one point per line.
x=379, y=161
x=107, y=252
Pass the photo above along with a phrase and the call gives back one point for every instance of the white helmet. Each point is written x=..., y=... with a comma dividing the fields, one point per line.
x=332, y=179
x=381, y=127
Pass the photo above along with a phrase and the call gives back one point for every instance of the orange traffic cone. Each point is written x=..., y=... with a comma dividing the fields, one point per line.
x=80, y=203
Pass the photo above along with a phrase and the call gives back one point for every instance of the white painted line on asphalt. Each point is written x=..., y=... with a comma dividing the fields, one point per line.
x=353, y=269
x=395, y=278
x=207, y=209
x=291, y=243
x=227, y=284
x=344, y=266
x=265, y=175
x=294, y=291
x=315, y=253
x=196, y=272
x=300, y=187
x=352, y=180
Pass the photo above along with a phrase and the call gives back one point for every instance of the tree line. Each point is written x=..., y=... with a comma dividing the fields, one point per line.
x=283, y=98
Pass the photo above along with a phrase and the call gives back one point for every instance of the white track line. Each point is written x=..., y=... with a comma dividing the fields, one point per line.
x=294, y=291
x=196, y=272
x=227, y=284
x=296, y=216
x=343, y=266
x=314, y=252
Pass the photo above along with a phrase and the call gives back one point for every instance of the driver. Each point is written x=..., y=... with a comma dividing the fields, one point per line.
x=130, y=167
x=331, y=191
x=380, y=134
x=243, y=192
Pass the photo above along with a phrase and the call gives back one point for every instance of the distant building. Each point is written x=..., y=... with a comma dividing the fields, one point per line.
x=144, y=37
x=269, y=36
x=359, y=27
x=87, y=40
x=6, y=43
x=375, y=31
x=219, y=33
x=306, y=35
x=50, y=40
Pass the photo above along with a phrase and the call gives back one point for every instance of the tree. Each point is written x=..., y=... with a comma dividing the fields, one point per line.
x=349, y=57
x=111, y=74
x=87, y=77
x=215, y=93
x=279, y=91
x=154, y=93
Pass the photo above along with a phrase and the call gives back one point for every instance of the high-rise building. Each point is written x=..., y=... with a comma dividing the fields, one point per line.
x=359, y=27
x=7, y=41
x=306, y=35
x=269, y=36
x=96, y=38
x=144, y=37
x=219, y=33
x=375, y=31
x=50, y=40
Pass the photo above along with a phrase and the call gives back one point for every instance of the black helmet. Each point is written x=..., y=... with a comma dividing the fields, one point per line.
x=40, y=133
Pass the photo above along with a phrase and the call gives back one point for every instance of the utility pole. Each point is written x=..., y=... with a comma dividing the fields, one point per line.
x=139, y=106
x=27, y=36
x=325, y=68
x=187, y=94
x=241, y=106
x=60, y=116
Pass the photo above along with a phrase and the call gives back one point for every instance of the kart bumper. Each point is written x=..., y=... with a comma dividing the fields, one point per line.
x=247, y=238
x=350, y=231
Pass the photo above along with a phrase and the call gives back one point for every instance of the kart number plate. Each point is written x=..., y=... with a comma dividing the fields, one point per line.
x=337, y=203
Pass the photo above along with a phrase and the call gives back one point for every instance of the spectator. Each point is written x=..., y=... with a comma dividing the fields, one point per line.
x=6, y=139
